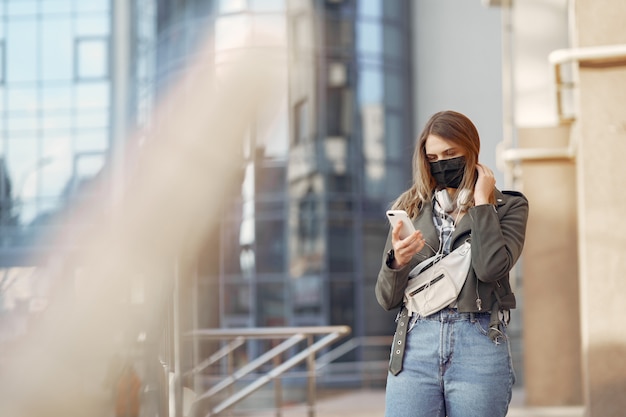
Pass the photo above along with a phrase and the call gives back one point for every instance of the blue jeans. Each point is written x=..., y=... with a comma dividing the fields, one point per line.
x=452, y=368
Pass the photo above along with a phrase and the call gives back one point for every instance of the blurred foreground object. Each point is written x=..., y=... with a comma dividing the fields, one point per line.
x=170, y=204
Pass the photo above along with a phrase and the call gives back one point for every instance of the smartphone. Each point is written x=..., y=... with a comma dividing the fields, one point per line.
x=407, y=224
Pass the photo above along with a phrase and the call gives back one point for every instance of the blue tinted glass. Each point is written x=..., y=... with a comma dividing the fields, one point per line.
x=21, y=51
x=56, y=98
x=57, y=7
x=371, y=7
x=56, y=52
x=21, y=99
x=91, y=140
x=370, y=86
x=92, y=26
x=369, y=38
x=232, y=6
x=56, y=174
x=393, y=42
x=21, y=7
x=90, y=6
x=394, y=90
x=267, y=5
x=94, y=95
x=92, y=58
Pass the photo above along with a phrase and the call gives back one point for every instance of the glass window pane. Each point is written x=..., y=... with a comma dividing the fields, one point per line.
x=370, y=86
x=56, y=52
x=21, y=51
x=92, y=58
x=371, y=8
x=237, y=299
x=394, y=9
x=92, y=26
x=90, y=6
x=21, y=7
x=24, y=122
x=271, y=299
x=395, y=139
x=22, y=163
x=369, y=38
x=393, y=42
x=57, y=7
x=267, y=5
x=56, y=98
x=271, y=253
x=2, y=50
x=92, y=95
x=92, y=119
x=20, y=99
x=307, y=292
x=394, y=91
x=341, y=245
x=232, y=6
x=90, y=140
x=58, y=172
x=87, y=165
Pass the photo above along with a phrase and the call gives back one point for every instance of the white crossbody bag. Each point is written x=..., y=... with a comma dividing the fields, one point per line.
x=436, y=282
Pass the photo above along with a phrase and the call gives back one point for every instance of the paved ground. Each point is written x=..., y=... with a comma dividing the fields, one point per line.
x=370, y=403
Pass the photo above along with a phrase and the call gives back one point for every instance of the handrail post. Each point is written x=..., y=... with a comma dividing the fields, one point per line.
x=311, y=396
x=230, y=364
x=278, y=388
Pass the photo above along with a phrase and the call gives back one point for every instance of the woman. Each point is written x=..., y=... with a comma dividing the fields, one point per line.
x=455, y=362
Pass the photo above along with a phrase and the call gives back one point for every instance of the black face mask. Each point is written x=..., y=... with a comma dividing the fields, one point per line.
x=448, y=172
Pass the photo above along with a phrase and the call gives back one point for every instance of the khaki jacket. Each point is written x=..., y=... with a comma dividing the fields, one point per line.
x=497, y=235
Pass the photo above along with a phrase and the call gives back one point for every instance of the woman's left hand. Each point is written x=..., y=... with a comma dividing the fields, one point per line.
x=484, y=184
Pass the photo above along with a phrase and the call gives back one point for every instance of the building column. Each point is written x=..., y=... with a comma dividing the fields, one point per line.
x=602, y=208
x=551, y=330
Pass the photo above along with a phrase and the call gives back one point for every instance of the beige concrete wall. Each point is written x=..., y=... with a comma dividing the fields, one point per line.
x=551, y=329
x=602, y=206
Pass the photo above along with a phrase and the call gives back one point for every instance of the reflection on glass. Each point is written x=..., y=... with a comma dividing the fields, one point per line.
x=371, y=8
x=56, y=49
x=21, y=8
x=307, y=295
x=231, y=6
x=369, y=37
x=21, y=56
x=57, y=7
x=370, y=86
x=2, y=50
x=271, y=299
x=237, y=299
x=91, y=58
x=267, y=5
x=92, y=6
x=92, y=26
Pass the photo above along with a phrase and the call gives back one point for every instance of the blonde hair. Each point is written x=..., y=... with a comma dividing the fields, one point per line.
x=452, y=126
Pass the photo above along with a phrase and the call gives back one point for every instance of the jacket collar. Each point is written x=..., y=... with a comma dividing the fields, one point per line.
x=429, y=231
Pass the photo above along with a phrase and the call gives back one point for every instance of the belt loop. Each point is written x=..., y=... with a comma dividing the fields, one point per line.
x=472, y=317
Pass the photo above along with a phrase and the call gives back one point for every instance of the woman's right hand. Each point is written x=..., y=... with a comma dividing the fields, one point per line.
x=404, y=249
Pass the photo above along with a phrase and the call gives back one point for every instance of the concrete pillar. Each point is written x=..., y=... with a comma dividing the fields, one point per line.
x=602, y=206
x=551, y=330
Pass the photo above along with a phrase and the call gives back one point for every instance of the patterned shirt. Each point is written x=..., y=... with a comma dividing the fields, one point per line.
x=445, y=226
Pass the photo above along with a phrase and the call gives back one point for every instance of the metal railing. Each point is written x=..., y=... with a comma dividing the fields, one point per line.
x=233, y=339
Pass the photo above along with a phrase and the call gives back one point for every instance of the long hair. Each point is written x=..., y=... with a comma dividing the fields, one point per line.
x=457, y=128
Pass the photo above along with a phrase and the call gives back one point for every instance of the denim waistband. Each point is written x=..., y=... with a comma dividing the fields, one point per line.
x=452, y=314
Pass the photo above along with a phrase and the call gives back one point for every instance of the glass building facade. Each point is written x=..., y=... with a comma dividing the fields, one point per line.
x=301, y=238
x=55, y=101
